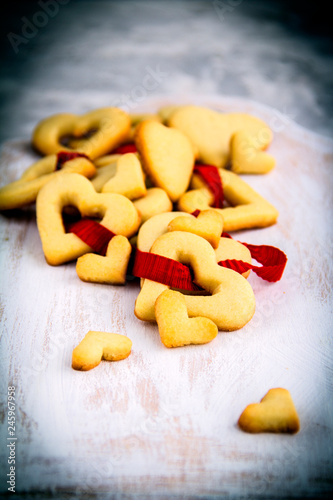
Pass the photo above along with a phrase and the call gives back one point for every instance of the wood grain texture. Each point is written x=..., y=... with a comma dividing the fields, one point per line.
x=163, y=422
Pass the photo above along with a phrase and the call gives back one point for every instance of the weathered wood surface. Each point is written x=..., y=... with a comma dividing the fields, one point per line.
x=164, y=421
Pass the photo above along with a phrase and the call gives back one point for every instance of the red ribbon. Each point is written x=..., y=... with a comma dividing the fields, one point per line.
x=210, y=175
x=173, y=273
x=273, y=261
x=64, y=156
x=176, y=275
x=93, y=234
x=163, y=270
x=125, y=148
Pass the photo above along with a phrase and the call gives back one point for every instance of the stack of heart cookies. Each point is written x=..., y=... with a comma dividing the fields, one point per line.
x=152, y=197
x=112, y=188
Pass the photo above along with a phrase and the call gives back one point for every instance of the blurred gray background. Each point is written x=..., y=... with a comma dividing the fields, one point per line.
x=70, y=55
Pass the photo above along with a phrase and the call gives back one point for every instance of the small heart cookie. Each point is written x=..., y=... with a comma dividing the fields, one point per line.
x=96, y=346
x=155, y=201
x=208, y=225
x=110, y=269
x=167, y=157
x=275, y=413
x=175, y=327
x=210, y=131
x=247, y=157
x=128, y=179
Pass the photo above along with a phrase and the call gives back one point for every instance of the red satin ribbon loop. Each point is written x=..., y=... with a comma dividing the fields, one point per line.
x=210, y=175
x=93, y=234
x=125, y=148
x=273, y=261
x=163, y=270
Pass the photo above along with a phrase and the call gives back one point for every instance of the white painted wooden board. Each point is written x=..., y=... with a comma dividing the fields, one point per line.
x=163, y=422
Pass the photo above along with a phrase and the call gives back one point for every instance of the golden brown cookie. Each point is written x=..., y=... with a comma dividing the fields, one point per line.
x=229, y=301
x=128, y=179
x=155, y=201
x=176, y=329
x=24, y=191
x=96, y=346
x=116, y=212
x=247, y=208
x=94, y=133
x=109, y=269
x=275, y=413
x=167, y=157
x=208, y=224
x=154, y=227
x=247, y=157
x=210, y=131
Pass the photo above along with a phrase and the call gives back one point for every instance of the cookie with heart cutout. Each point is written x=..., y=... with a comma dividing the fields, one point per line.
x=227, y=299
x=210, y=131
x=115, y=212
x=24, y=191
x=154, y=227
x=95, y=133
x=246, y=207
x=227, y=249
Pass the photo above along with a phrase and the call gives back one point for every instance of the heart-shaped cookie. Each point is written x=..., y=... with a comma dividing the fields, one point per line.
x=275, y=413
x=128, y=179
x=96, y=346
x=154, y=227
x=246, y=156
x=155, y=201
x=104, y=172
x=227, y=249
x=24, y=191
x=95, y=133
x=210, y=131
x=117, y=213
x=110, y=269
x=175, y=327
x=229, y=301
x=247, y=207
x=208, y=225
x=167, y=156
